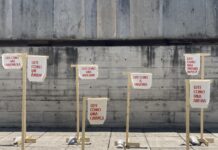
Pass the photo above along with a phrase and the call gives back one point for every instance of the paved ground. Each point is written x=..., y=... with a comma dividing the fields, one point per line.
x=104, y=140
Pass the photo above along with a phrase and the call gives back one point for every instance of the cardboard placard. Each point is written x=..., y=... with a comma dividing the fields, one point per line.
x=97, y=110
x=192, y=64
x=11, y=61
x=199, y=93
x=141, y=80
x=88, y=71
x=37, y=68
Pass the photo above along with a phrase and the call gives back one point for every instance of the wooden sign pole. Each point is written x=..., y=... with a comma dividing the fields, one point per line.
x=24, y=61
x=77, y=103
x=187, y=113
x=128, y=109
x=78, y=107
x=202, y=110
x=206, y=141
x=83, y=123
x=129, y=144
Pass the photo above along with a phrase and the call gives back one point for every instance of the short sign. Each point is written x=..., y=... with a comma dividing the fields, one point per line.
x=36, y=68
x=12, y=61
x=141, y=80
x=199, y=93
x=192, y=64
x=88, y=71
x=97, y=110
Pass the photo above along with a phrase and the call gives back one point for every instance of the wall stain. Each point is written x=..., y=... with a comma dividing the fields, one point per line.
x=166, y=5
x=72, y=58
x=188, y=49
x=214, y=51
x=175, y=59
x=3, y=13
x=148, y=54
x=55, y=59
x=215, y=4
x=124, y=6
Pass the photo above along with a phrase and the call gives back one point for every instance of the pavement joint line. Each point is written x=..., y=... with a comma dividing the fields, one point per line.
x=108, y=146
x=147, y=140
x=184, y=140
x=37, y=138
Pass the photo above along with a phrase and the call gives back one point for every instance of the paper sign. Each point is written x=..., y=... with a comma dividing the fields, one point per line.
x=88, y=71
x=192, y=64
x=12, y=61
x=36, y=68
x=199, y=93
x=97, y=110
x=141, y=80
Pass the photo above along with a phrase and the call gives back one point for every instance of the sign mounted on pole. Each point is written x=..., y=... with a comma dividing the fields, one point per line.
x=97, y=110
x=199, y=93
x=141, y=80
x=37, y=68
x=192, y=64
x=88, y=71
x=12, y=61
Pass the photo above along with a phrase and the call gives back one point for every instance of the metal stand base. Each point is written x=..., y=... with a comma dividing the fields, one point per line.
x=122, y=144
x=206, y=141
x=75, y=141
x=29, y=139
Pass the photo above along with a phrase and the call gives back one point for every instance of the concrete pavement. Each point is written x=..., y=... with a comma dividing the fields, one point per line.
x=104, y=140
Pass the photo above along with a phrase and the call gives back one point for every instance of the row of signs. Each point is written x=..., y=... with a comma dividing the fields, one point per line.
x=199, y=98
x=36, y=65
x=37, y=70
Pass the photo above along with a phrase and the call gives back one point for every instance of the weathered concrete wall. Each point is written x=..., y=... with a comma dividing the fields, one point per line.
x=108, y=19
x=52, y=103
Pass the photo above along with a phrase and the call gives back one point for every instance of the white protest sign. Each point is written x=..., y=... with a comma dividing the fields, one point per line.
x=12, y=61
x=37, y=68
x=141, y=80
x=192, y=64
x=88, y=71
x=199, y=93
x=97, y=110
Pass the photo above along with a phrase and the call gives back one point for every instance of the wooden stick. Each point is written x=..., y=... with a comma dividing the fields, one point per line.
x=77, y=103
x=83, y=123
x=202, y=110
x=24, y=61
x=128, y=108
x=187, y=114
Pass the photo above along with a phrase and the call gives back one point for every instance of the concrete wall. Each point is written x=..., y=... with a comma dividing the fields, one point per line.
x=108, y=19
x=52, y=103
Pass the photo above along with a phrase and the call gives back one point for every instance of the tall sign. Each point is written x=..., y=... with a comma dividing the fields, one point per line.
x=97, y=111
x=83, y=72
x=36, y=72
